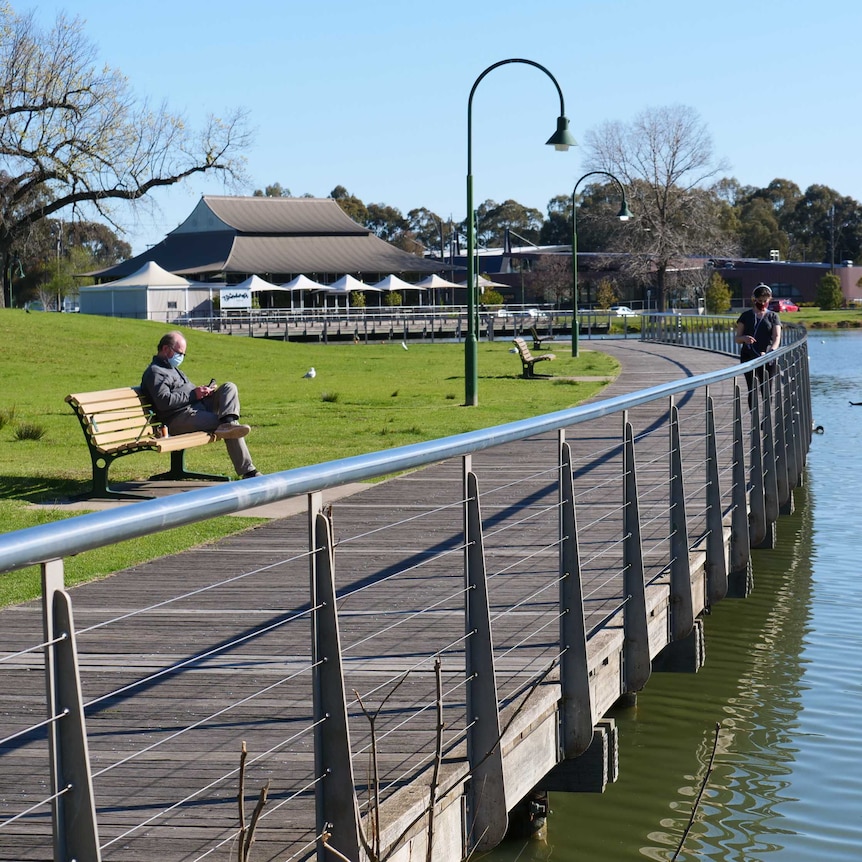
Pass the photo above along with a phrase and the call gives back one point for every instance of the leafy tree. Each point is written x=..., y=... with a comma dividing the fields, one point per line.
x=351, y=204
x=54, y=251
x=492, y=297
x=606, y=294
x=824, y=225
x=63, y=281
x=387, y=222
x=274, y=191
x=73, y=135
x=430, y=230
x=759, y=230
x=557, y=228
x=663, y=158
x=829, y=295
x=717, y=295
x=493, y=220
x=553, y=278
x=392, y=299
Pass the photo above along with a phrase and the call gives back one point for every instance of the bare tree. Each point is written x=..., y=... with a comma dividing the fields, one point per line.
x=664, y=157
x=72, y=134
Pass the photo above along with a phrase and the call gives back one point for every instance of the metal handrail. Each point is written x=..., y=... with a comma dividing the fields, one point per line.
x=53, y=541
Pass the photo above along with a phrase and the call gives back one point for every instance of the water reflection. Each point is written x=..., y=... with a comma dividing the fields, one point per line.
x=780, y=678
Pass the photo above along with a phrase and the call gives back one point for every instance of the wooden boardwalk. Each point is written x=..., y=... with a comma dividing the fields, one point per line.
x=221, y=654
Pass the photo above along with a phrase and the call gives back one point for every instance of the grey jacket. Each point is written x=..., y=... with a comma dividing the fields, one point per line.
x=168, y=389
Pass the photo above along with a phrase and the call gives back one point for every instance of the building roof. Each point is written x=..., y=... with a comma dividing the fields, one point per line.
x=274, y=237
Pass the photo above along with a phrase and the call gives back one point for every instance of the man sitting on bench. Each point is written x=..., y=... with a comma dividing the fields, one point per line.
x=183, y=407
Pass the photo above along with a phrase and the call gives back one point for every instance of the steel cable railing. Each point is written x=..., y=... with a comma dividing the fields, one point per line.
x=389, y=629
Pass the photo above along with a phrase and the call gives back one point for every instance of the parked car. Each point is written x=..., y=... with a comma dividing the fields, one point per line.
x=623, y=311
x=520, y=314
x=783, y=305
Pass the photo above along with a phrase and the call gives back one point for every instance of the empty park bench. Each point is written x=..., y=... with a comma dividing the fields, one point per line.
x=539, y=340
x=119, y=422
x=527, y=358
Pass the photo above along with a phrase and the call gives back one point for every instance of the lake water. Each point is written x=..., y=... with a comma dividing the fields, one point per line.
x=781, y=679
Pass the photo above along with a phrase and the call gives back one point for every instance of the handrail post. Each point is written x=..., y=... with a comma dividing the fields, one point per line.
x=577, y=708
x=681, y=599
x=75, y=830
x=740, y=524
x=486, y=797
x=336, y=810
x=636, y=654
x=716, y=555
x=794, y=416
x=757, y=524
x=770, y=472
x=783, y=476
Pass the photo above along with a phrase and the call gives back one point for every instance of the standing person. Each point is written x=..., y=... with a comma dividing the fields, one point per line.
x=184, y=407
x=758, y=330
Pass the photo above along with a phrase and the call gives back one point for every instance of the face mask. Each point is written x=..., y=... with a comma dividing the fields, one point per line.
x=176, y=360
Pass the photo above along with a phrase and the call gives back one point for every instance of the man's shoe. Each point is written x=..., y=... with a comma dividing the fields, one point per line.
x=251, y=474
x=231, y=431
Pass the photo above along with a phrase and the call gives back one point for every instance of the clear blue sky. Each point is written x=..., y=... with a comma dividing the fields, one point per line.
x=373, y=95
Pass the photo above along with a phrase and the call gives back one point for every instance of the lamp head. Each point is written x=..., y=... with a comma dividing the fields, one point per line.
x=625, y=213
x=562, y=139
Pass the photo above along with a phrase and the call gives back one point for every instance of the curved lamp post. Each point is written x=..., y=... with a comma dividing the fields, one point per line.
x=561, y=140
x=623, y=215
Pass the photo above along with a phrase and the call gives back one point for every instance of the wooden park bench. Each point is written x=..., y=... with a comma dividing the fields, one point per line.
x=539, y=340
x=119, y=422
x=527, y=358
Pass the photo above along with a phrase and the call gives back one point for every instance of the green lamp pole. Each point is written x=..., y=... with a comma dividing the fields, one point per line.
x=623, y=215
x=562, y=139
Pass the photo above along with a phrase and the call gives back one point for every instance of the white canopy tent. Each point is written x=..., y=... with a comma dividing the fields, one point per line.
x=149, y=293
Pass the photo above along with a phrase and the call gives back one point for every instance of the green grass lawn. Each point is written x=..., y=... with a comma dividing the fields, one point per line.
x=365, y=397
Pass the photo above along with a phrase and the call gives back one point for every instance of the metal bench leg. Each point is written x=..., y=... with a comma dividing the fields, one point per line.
x=178, y=470
x=101, y=489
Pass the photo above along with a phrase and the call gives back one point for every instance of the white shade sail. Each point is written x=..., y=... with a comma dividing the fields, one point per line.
x=483, y=282
x=256, y=284
x=301, y=282
x=347, y=283
x=433, y=282
x=392, y=282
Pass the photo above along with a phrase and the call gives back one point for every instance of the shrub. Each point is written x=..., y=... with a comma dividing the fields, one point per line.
x=329, y=397
x=829, y=295
x=7, y=416
x=29, y=431
x=717, y=295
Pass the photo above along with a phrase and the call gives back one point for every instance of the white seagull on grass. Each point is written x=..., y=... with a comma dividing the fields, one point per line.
x=311, y=373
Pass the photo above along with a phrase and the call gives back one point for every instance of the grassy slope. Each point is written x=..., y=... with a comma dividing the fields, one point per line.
x=364, y=398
